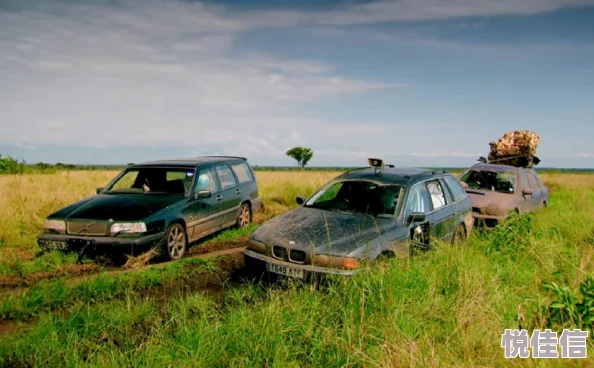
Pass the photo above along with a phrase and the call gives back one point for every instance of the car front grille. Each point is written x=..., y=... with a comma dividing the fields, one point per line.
x=291, y=255
x=96, y=228
x=280, y=253
x=297, y=256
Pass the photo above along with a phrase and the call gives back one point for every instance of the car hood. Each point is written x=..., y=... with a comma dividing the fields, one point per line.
x=121, y=207
x=484, y=198
x=321, y=231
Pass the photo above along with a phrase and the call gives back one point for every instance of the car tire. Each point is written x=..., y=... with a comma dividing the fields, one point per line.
x=244, y=217
x=459, y=236
x=175, y=242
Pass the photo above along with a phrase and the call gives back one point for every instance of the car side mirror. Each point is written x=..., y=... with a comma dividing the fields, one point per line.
x=300, y=200
x=99, y=190
x=527, y=191
x=202, y=194
x=416, y=217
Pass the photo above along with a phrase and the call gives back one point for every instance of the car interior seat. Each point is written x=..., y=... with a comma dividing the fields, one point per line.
x=436, y=195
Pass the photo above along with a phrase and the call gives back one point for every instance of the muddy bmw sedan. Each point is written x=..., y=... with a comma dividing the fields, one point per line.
x=360, y=216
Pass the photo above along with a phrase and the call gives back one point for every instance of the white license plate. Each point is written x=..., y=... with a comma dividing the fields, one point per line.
x=284, y=270
x=56, y=245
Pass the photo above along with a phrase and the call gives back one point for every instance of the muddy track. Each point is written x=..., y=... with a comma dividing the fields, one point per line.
x=13, y=283
x=227, y=273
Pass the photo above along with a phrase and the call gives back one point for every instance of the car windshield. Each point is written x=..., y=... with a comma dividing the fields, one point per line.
x=362, y=197
x=504, y=182
x=153, y=180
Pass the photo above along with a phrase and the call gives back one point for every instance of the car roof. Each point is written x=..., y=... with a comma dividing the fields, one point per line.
x=493, y=167
x=190, y=162
x=391, y=175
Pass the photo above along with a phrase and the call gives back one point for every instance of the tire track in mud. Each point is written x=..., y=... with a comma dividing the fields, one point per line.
x=212, y=283
x=71, y=272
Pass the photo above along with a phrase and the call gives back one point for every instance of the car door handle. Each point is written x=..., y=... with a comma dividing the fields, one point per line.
x=238, y=191
x=219, y=197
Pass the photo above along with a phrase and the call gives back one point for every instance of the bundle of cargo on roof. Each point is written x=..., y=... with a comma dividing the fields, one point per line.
x=515, y=148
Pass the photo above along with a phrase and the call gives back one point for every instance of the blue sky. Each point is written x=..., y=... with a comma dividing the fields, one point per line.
x=417, y=82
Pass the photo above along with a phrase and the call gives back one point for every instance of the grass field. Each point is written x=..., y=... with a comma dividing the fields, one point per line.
x=447, y=307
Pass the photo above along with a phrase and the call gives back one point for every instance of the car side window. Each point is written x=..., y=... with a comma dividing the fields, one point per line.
x=457, y=191
x=418, y=200
x=206, y=180
x=243, y=172
x=437, y=195
x=446, y=191
x=538, y=180
x=226, y=177
x=532, y=181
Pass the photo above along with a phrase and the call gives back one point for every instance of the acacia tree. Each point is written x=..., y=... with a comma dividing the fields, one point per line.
x=300, y=154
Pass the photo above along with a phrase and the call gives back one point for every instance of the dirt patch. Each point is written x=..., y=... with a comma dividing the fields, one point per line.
x=218, y=245
x=13, y=327
x=212, y=283
x=14, y=281
x=211, y=249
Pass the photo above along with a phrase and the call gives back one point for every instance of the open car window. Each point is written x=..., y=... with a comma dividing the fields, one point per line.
x=503, y=182
x=363, y=197
x=153, y=180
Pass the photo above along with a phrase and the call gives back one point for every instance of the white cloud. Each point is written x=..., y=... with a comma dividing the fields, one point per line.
x=409, y=10
x=585, y=155
x=165, y=73
x=26, y=146
x=157, y=72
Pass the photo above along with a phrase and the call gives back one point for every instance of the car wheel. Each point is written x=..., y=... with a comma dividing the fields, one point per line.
x=459, y=235
x=175, y=242
x=244, y=218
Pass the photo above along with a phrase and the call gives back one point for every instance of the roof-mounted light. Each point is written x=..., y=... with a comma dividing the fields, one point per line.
x=376, y=163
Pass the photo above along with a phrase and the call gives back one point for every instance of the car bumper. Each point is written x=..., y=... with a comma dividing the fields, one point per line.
x=99, y=244
x=487, y=221
x=308, y=269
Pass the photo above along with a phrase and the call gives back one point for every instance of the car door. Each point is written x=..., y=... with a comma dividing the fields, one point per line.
x=540, y=190
x=230, y=195
x=418, y=201
x=536, y=197
x=442, y=214
x=543, y=188
x=525, y=200
x=452, y=220
x=203, y=214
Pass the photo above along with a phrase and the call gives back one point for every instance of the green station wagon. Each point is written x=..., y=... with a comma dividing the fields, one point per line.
x=168, y=204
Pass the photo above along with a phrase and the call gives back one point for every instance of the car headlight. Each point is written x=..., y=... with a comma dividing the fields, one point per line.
x=256, y=246
x=54, y=226
x=128, y=228
x=323, y=260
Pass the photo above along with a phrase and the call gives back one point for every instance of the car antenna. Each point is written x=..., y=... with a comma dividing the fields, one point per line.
x=377, y=164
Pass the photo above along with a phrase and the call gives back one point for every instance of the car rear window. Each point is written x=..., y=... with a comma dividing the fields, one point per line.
x=243, y=172
x=456, y=189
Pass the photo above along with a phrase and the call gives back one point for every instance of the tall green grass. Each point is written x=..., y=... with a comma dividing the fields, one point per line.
x=446, y=307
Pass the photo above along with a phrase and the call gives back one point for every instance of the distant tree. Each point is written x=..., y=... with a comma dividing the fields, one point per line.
x=130, y=163
x=300, y=154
